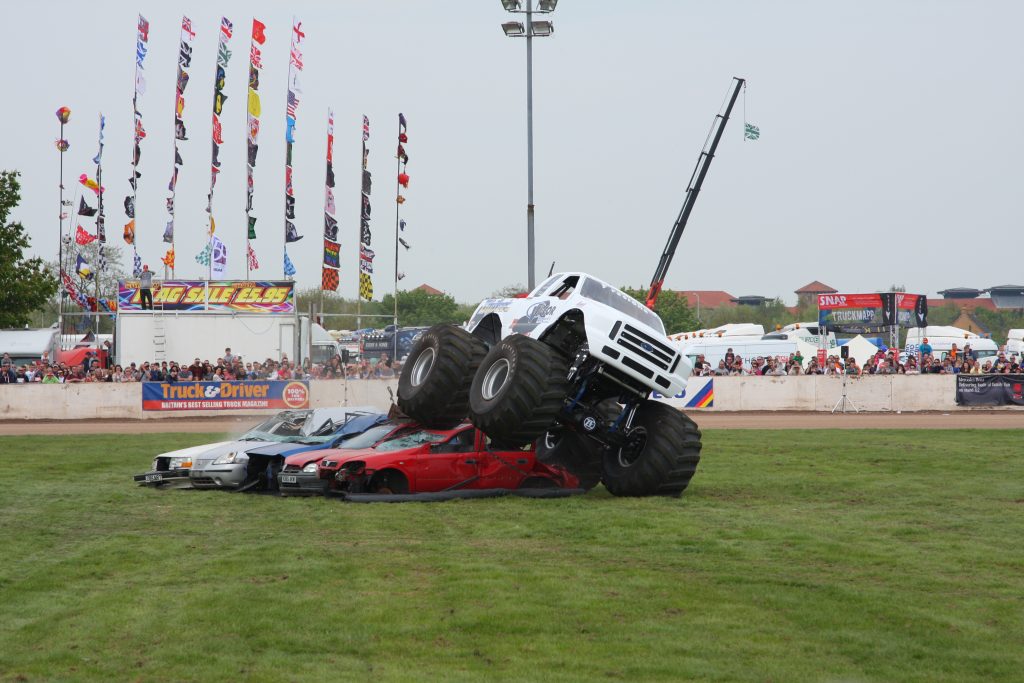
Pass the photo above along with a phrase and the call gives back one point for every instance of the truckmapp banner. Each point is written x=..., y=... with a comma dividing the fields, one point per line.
x=858, y=313
x=224, y=395
x=990, y=390
x=241, y=296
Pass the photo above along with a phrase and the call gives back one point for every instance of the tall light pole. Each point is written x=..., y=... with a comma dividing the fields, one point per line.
x=540, y=29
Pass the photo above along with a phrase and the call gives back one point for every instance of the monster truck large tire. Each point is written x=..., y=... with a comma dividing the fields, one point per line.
x=663, y=458
x=518, y=391
x=434, y=386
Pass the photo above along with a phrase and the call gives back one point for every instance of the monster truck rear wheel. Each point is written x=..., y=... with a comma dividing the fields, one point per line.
x=662, y=456
x=434, y=386
x=577, y=453
x=518, y=390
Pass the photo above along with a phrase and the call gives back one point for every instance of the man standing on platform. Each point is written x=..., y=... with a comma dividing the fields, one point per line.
x=146, y=288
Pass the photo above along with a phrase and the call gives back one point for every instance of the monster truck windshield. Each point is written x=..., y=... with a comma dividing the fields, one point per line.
x=623, y=303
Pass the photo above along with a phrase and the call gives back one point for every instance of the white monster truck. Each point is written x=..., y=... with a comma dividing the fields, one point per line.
x=572, y=366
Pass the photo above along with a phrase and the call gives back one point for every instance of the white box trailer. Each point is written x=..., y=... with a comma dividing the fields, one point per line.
x=185, y=335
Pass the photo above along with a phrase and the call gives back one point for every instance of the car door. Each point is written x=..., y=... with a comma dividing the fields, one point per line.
x=450, y=463
x=502, y=468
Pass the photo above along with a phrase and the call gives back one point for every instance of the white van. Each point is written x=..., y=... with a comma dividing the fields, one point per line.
x=1014, y=342
x=810, y=333
x=747, y=348
x=942, y=337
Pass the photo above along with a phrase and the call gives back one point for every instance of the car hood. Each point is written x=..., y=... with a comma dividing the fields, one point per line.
x=208, y=456
x=192, y=451
x=300, y=460
x=284, y=449
x=374, y=458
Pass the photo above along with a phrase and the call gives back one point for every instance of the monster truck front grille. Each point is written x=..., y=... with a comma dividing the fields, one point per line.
x=646, y=346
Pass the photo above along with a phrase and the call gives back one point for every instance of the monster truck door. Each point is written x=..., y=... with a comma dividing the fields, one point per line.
x=451, y=463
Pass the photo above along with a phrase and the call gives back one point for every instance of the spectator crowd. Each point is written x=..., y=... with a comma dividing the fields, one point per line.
x=882, y=362
x=227, y=368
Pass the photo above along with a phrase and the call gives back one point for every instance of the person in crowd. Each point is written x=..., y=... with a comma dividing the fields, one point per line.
x=146, y=288
x=7, y=373
x=925, y=349
x=722, y=370
x=730, y=358
x=229, y=357
x=117, y=375
x=50, y=377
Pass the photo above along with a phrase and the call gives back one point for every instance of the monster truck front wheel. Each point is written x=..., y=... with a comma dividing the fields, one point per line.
x=434, y=386
x=519, y=390
x=660, y=457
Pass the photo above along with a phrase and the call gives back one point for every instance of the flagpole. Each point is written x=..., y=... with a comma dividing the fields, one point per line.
x=398, y=206
x=101, y=236
x=63, y=115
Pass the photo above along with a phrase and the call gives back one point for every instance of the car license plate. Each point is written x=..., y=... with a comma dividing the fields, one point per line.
x=154, y=477
x=288, y=479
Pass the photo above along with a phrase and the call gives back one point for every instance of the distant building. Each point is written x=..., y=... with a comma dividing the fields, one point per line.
x=707, y=298
x=428, y=289
x=967, y=321
x=750, y=300
x=1007, y=296
x=961, y=293
x=808, y=294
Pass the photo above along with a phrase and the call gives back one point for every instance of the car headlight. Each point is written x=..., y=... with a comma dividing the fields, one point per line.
x=180, y=462
x=231, y=458
x=311, y=467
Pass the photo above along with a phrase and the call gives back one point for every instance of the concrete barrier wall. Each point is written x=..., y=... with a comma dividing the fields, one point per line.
x=809, y=393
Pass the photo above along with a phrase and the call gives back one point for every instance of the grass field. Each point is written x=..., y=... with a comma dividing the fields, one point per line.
x=794, y=556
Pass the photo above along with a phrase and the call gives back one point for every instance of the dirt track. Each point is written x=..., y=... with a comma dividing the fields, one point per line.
x=975, y=419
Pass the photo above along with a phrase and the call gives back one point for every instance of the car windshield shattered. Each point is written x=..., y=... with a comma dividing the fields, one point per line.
x=623, y=303
x=292, y=425
x=411, y=440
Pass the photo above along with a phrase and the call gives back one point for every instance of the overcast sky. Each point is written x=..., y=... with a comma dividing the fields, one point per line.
x=890, y=151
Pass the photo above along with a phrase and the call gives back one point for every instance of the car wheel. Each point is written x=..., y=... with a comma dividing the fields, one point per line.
x=661, y=455
x=433, y=388
x=519, y=390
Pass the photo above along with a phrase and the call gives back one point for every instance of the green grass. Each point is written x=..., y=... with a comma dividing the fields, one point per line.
x=794, y=556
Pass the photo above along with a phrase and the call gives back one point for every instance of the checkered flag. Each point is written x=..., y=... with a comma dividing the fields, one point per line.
x=365, y=287
x=329, y=281
x=254, y=263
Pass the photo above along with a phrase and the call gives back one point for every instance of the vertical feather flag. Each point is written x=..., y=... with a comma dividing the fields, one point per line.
x=365, y=266
x=402, y=182
x=291, y=233
x=253, y=111
x=141, y=48
x=332, y=248
x=219, y=98
x=184, y=62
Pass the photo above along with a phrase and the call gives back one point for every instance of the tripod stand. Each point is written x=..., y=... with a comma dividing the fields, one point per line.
x=844, y=400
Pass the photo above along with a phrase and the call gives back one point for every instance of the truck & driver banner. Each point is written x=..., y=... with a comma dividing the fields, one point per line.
x=990, y=390
x=225, y=395
x=240, y=296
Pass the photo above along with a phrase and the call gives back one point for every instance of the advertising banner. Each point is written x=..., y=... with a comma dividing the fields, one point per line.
x=240, y=296
x=225, y=395
x=698, y=393
x=990, y=390
x=866, y=313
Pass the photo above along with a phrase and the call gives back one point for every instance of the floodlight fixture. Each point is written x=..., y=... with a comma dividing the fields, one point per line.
x=542, y=29
x=547, y=5
x=510, y=5
x=513, y=29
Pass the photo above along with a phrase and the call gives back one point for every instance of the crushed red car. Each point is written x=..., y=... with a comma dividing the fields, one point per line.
x=454, y=462
x=299, y=475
